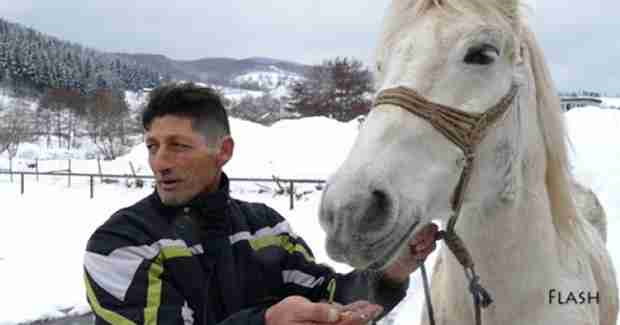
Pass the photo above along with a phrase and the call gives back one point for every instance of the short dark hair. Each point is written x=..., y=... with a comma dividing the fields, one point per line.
x=202, y=105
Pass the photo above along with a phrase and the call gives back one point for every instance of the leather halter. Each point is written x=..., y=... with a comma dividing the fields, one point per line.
x=465, y=130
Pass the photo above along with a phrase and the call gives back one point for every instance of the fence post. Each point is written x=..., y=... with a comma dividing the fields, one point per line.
x=99, y=168
x=36, y=166
x=92, y=186
x=69, y=172
x=292, y=198
x=22, y=182
x=11, y=168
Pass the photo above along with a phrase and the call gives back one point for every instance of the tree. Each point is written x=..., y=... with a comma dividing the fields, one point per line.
x=16, y=126
x=264, y=109
x=65, y=106
x=110, y=123
x=31, y=62
x=338, y=88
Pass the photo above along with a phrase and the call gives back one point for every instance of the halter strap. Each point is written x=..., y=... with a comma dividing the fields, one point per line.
x=466, y=131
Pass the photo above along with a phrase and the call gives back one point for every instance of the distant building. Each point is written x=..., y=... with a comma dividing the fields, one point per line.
x=569, y=103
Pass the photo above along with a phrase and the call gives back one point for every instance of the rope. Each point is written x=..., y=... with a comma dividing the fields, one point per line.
x=466, y=131
x=427, y=293
x=481, y=297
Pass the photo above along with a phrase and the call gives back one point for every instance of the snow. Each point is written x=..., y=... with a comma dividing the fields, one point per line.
x=135, y=100
x=612, y=102
x=236, y=94
x=43, y=233
x=596, y=154
x=268, y=79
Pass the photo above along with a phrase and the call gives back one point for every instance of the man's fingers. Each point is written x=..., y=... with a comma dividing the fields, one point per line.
x=424, y=240
x=355, y=306
x=318, y=312
x=361, y=316
x=423, y=251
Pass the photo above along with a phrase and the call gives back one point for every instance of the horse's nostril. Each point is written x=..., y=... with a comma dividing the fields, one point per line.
x=378, y=213
x=381, y=201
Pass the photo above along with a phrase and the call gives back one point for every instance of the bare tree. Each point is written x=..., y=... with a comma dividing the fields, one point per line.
x=109, y=122
x=63, y=108
x=338, y=88
x=16, y=126
x=264, y=109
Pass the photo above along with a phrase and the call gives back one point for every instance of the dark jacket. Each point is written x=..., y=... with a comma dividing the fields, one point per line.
x=216, y=260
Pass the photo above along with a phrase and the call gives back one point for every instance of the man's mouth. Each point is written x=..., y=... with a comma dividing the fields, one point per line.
x=169, y=185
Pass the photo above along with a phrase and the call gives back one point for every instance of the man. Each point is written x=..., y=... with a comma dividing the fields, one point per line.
x=190, y=254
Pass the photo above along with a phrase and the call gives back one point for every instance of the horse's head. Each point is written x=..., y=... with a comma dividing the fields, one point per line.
x=401, y=172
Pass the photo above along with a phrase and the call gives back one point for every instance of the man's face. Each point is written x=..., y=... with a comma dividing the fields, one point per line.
x=183, y=162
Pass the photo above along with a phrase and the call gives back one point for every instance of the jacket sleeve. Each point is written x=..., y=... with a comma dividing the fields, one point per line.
x=122, y=275
x=319, y=282
x=124, y=284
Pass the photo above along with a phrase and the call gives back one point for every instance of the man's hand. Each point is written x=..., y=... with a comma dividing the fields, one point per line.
x=300, y=311
x=422, y=245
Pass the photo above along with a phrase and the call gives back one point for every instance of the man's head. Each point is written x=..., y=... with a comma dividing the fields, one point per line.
x=188, y=138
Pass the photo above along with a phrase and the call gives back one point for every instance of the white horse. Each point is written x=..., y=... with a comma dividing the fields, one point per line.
x=518, y=218
x=590, y=208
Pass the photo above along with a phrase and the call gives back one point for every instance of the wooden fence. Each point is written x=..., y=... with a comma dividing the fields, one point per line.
x=289, y=189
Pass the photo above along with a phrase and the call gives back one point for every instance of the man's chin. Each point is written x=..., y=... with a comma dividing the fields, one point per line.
x=169, y=199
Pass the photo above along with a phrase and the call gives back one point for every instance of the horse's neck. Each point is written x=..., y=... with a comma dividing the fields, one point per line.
x=504, y=239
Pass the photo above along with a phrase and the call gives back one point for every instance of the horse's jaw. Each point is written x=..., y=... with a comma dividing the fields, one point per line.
x=360, y=242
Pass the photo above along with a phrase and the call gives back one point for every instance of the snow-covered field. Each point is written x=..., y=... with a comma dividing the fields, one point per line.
x=43, y=233
x=612, y=102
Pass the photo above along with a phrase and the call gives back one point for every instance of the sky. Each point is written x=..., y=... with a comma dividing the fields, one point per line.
x=580, y=42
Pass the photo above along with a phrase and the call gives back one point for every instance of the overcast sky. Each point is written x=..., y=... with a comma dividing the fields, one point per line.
x=582, y=43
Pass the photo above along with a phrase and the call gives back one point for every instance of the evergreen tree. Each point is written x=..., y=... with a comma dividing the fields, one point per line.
x=33, y=60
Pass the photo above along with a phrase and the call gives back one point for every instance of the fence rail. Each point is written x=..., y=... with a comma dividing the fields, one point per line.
x=22, y=174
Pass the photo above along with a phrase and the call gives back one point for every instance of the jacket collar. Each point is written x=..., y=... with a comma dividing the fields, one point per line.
x=203, y=204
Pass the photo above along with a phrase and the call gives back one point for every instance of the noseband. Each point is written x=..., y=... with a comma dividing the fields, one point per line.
x=466, y=131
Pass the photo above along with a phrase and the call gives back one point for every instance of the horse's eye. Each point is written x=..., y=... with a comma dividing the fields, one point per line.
x=379, y=66
x=481, y=55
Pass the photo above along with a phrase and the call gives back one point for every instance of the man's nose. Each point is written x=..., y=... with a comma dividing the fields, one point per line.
x=162, y=161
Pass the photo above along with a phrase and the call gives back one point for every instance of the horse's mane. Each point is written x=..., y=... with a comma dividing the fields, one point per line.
x=507, y=14
x=553, y=127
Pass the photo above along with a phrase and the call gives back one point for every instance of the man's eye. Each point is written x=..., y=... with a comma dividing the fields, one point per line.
x=181, y=145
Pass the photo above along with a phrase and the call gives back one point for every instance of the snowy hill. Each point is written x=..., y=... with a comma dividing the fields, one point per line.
x=62, y=218
x=222, y=71
x=268, y=80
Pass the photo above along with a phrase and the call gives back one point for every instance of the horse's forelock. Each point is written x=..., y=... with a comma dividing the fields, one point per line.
x=401, y=12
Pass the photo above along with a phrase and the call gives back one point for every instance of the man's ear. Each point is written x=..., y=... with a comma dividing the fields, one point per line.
x=227, y=146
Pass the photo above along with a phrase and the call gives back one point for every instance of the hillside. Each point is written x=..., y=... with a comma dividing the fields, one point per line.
x=218, y=71
x=32, y=61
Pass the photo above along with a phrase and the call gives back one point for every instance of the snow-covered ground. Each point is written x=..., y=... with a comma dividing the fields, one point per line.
x=612, y=102
x=43, y=233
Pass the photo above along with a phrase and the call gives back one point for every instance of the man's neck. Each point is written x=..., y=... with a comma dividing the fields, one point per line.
x=215, y=185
